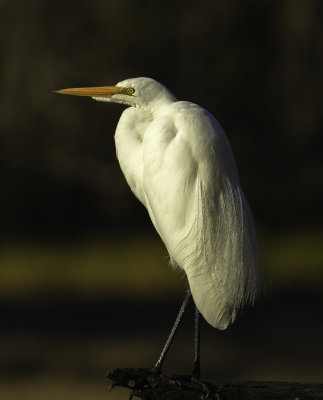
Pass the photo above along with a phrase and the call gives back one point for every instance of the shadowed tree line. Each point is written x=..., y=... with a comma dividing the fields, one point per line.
x=255, y=65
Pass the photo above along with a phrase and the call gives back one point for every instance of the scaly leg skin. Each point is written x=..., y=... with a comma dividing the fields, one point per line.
x=158, y=366
x=196, y=373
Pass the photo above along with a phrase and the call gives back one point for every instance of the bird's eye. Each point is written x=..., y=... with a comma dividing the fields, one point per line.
x=130, y=91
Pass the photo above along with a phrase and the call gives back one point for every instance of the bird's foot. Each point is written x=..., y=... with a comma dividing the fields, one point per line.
x=141, y=381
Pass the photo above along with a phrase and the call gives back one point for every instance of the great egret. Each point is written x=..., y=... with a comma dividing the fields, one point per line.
x=178, y=162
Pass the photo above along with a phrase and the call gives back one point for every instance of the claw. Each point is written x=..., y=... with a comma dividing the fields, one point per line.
x=179, y=384
x=205, y=397
x=176, y=382
x=113, y=385
x=203, y=387
x=207, y=392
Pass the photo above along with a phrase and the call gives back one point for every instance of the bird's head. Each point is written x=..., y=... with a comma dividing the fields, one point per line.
x=135, y=92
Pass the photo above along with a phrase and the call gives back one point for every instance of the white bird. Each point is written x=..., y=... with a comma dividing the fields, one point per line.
x=178, y=162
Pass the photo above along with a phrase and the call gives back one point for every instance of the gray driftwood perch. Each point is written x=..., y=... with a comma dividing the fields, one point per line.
x=145, y=384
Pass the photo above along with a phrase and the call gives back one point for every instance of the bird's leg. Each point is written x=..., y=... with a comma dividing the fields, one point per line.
x=140, y=379
x=158, y=366
x=196, y=373
x=137, y=379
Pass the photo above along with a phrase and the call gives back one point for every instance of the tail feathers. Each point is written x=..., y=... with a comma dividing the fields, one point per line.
x=223, y=269
x=212, y=304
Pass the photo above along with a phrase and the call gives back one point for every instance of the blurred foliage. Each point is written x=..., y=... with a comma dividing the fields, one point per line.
x=294, y=259
x=128, y=267
x=133, y=268
x=255, y=65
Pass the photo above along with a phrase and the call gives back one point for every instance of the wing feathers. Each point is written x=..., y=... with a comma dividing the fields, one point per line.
x=194, y=198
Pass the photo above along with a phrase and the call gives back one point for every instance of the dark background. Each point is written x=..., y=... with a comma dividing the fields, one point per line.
x=257, y=66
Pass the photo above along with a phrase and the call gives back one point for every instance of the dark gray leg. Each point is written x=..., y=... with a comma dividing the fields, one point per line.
x=196, y=373
x=158, y=366
x=138, y=380
x=196, y=367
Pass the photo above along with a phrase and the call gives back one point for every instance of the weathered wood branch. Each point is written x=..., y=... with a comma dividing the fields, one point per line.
x=144, y=383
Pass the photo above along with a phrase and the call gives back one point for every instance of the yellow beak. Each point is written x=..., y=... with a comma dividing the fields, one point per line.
x=99, y=91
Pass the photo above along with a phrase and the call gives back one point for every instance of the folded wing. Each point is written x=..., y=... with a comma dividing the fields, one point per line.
x=193, y=195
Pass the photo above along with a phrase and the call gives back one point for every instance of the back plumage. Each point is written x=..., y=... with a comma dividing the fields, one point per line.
x=190, y=187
